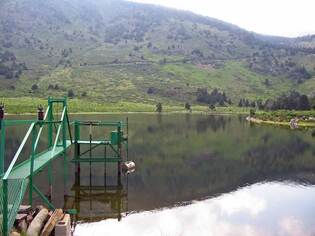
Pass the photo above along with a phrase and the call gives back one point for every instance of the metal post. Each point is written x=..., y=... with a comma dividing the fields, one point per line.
x=5, y=208
x=90, y=153
x=77, y=145
x=50, y=125
x=127, y=141
x=64, y=143
x=119, y=151
x=64, y=127
x=119, y=200
x=77, y=193
x=105, y=165
x=32, y=166
x=50, y=180
x=50, y=143
x=2, y=149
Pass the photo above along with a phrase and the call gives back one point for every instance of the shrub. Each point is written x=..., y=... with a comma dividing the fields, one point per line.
x=71, y=93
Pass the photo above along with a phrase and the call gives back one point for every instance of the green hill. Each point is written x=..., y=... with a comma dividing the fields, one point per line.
x=109, y=51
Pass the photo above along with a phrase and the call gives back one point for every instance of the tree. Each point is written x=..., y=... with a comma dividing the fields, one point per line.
x=269, y=104
x=71, y=93
x=34, y=87
x=202, y=95
x=259, y=104
x=163, y=62
x=151, y=90
x=240, y=104
x=304, y=103
x=247, y=103
x=212, y=107
x=267, y=82
x=159, y=107
x=188, y=106
x=213, y=98
x=292, y=101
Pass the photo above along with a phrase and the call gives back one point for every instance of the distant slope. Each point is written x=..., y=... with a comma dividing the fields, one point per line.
x=121, y=51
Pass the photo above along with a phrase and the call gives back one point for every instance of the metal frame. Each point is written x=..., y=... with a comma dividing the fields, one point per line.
x=63, y=139
x=33, y=133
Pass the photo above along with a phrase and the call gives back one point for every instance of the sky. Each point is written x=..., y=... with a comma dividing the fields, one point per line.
x=289, y=18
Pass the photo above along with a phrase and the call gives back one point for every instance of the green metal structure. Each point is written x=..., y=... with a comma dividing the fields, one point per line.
x=19, y=175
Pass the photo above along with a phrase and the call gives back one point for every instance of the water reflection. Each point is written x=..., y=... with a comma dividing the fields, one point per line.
x=182, y=158
x=95, y=202
x=214, y=123
x=256, y=210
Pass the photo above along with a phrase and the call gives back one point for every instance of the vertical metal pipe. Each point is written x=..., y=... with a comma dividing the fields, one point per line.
x=119, y=151
x=5, y=212
x=64, y=143
x=50, y=180
x=2, y=149
x=77, y=145
x=64, y=127
x=105, y=165
x=32, y=166
x=77, y=194
x=90, y=152
x=50, y=125
x=50, y=143
x=127, y=141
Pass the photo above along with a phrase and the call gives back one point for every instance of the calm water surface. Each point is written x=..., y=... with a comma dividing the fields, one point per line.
x=195, y=175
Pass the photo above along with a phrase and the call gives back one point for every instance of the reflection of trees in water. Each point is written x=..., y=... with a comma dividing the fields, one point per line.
x=240, y=119
x=151, y=129
x=166, y=127
x=188, y=120
x=265, y=138
x=278, y=156
x=214, y=123
x=210, y=173
x=159, y=119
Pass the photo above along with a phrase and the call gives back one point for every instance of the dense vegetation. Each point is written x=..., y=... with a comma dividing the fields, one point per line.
x=291, y=101
x=117, y=51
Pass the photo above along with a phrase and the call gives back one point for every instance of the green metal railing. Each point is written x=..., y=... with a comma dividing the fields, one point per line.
x=14, y=187
x=18, y=176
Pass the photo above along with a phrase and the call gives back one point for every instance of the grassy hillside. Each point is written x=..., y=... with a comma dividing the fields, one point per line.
x=117, y=51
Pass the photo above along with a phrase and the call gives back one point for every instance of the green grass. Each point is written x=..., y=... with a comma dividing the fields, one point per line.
x=174, y=39
x=233, y=78
x=284, y=115
x=29, y=105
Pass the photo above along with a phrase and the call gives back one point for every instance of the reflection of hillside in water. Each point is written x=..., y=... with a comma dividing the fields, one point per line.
x=202, y=156
x=214, y=123
x=184, y=157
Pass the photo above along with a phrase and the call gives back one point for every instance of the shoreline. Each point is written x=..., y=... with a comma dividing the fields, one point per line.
x=279, y=123
x=141, y=112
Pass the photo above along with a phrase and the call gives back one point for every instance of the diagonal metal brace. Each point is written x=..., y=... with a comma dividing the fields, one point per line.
x=44, y=198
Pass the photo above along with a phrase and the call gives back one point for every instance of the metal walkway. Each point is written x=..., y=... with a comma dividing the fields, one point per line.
x=18, y=177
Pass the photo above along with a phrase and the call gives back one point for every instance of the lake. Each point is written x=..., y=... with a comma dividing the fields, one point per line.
x=195, y=175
